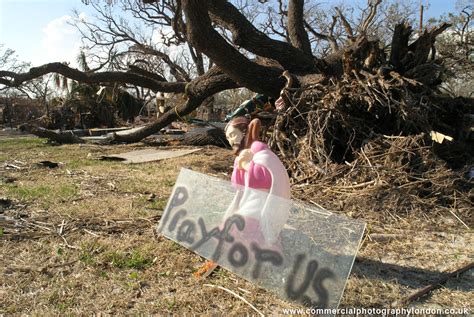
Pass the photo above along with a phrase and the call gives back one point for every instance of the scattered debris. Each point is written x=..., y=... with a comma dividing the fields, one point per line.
x=439, y=137
x=172, y=131
x=237, y=296
x=47, y=164
x=99, y=131
x=319, y=238
x=4, y=203
x=200, y=136
x=427, y=289
x=405, y=193
x=151, y=197
x=206, y=136
x=7, y=180
x=148, y=155
x=58, y=136
x=9, y=166
x=205, y=270
x=22, y=229
x=128, y=131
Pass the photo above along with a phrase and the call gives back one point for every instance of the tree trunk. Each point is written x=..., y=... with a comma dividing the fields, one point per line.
x=56, y=136
x=197, y=91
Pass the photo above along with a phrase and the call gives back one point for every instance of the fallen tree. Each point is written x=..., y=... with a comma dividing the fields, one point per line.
x=343, y=95
x=57, y=136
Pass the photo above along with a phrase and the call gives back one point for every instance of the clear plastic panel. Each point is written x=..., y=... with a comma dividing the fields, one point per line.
x=300, y=252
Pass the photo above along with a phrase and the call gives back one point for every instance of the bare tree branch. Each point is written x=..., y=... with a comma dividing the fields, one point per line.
x=176, y=70
x=298, y=36
x=140, y=71
x=197, y=59
x=331, y=39
x=110, y=31
x=197, y=91
x=464, y=34
x=373, y=4
x=16, y=79
x=247, y=36
x=205, y=38
x=345, y=23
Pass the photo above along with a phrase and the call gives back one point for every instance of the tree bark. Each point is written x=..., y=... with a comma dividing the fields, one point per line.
x=298, y=36
x=198, y=90
x=145, y=73
x=56, y=136
x=205, y=38
x=405, y=57
x=247, y=36
x=89, y=77
x=401, y=36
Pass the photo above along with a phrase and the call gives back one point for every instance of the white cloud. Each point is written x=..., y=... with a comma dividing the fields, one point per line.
x=159, y=34
x=157, y=38
x=61, y=41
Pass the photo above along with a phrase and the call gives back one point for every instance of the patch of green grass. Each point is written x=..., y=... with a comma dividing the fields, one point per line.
x=221, y=273
x=159, y=204
x=25, y=143
x=166, y=303
x=67, y=191
x=1, y=232
x=133, y=275
x=135, y=260
x=144, y=202
x=140, y=202
x=89, y=250
x=48, y=194
x=27, y=193
x=168, y=183
x=87, y=258
x=65, y=304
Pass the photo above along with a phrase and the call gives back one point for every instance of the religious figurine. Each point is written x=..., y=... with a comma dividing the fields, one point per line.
x=263, y=189
x=256, y=167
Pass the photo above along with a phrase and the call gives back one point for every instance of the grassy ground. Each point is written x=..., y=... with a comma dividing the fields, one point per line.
x=84, y=241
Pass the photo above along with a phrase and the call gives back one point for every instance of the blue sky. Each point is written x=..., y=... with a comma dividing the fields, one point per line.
x=38, y=30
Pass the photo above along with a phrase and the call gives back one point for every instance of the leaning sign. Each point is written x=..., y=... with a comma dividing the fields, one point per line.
x=305, y=257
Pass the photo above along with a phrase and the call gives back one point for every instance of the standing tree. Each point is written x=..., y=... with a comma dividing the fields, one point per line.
x=456, y=49
x=37, y=88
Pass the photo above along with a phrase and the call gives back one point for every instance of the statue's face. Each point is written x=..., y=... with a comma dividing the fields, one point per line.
x=234, y=136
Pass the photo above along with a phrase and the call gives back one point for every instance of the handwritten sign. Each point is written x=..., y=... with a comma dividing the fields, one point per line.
x=305, y=257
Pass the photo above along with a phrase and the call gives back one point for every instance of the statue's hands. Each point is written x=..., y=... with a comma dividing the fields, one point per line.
x=280, y=104
x=244, y=159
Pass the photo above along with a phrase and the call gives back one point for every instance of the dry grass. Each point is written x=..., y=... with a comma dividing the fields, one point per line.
x=85, y=240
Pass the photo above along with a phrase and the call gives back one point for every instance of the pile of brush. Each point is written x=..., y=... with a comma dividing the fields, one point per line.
x=376, y=133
